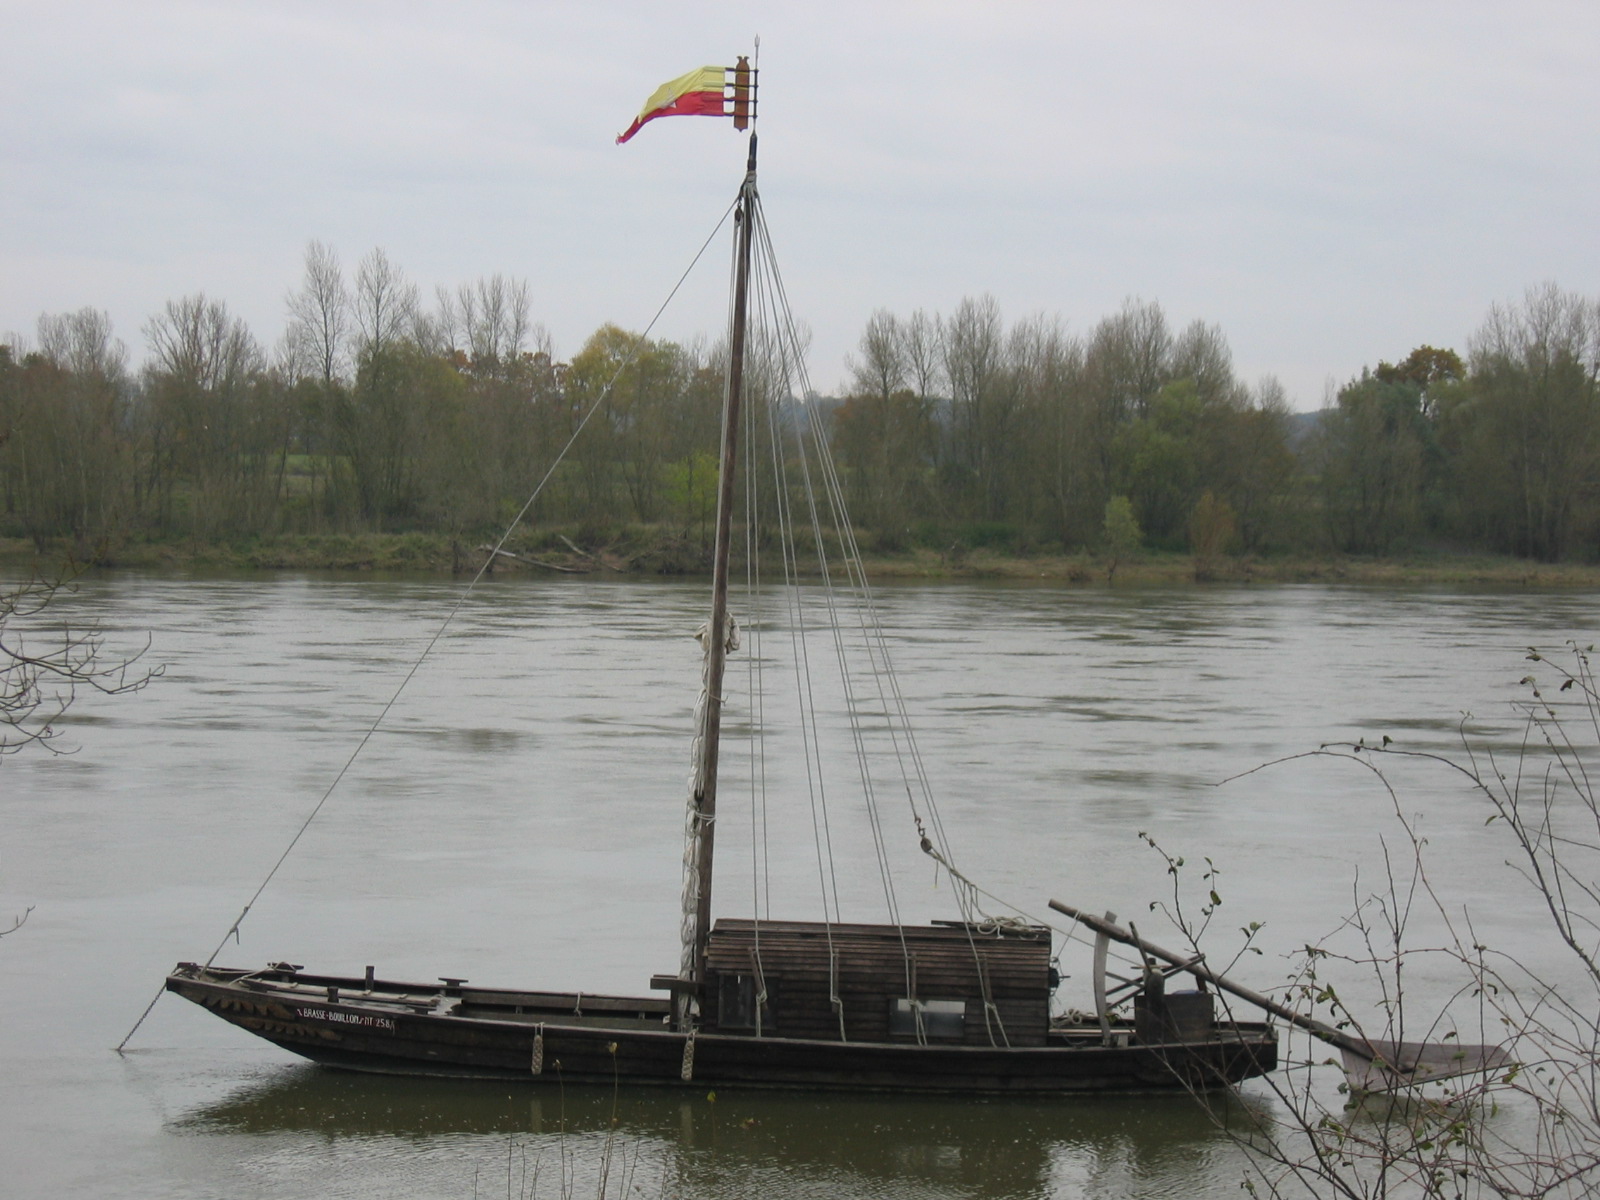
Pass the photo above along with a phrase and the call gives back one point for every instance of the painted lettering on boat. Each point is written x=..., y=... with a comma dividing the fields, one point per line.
x=344, y=1018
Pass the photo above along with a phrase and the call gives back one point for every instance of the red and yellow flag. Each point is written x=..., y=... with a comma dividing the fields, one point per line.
x=700, y=93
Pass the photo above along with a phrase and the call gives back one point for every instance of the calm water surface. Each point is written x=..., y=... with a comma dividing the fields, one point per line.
x=517, y=821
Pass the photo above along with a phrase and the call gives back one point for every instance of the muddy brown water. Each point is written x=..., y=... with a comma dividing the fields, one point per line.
x=517, y=820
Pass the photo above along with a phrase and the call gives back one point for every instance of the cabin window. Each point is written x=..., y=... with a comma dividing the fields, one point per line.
x=736, y=1004
x=941, y=1019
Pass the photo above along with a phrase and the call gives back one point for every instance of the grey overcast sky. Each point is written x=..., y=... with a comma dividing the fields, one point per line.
x=1331, y=183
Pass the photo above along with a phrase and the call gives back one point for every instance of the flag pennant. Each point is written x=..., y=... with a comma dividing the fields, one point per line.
x=703, y=92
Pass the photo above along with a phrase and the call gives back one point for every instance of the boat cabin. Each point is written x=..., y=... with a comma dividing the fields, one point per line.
x=947, y=983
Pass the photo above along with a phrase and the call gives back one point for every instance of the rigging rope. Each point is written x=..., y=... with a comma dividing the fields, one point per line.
x=760, y=872
x=785, y=362
x=789, y=363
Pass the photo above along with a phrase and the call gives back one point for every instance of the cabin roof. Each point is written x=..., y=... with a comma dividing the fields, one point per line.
x=938, y=932
x=734, y=942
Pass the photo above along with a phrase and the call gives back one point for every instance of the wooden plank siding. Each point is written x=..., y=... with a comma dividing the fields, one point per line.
x=873, y=966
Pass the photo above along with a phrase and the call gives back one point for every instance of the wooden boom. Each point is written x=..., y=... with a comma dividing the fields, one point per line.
x=1388, y=1063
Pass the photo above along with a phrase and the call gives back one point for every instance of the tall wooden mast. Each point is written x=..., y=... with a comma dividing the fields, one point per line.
x=718, y=639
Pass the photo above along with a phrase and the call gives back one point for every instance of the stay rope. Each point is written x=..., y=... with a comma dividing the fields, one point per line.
x=466, y=593
x=816, y=778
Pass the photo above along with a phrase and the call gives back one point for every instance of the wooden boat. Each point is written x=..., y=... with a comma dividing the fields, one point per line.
x=448, y=1028
x=957, y=1006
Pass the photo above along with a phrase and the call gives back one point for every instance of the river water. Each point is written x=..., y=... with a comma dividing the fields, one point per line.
x=517, y=820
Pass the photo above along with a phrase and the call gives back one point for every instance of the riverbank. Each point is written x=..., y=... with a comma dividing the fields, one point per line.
x=650, y=552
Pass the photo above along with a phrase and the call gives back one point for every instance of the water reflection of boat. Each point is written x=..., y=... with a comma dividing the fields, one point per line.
x=961, y=1005
x=996, y=1147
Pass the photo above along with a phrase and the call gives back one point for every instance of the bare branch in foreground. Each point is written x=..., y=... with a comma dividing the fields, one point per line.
x=42, y=670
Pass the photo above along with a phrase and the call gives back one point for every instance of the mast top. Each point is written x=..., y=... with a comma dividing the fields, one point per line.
x=744, y=93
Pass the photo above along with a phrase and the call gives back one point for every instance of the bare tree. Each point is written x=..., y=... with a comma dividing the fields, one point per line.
x=881, y=369
x=922, y=352
x=489, y=320
x=64, y=420
x=208, y=440
x=1047, y=365
x=385, y=305
x=884, y=433
x=1370, y=451
x=1261, y=467
x=975, y=364
x=1201, y=353
x=319, y=318
x=1529, y=432
x=196, y=340
x=82, y=342
x=1128, y=359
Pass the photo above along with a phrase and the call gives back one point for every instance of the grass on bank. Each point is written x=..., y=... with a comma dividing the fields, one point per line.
x=643, y=551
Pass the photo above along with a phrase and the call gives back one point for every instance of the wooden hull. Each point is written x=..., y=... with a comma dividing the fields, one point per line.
x=450, y=1030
